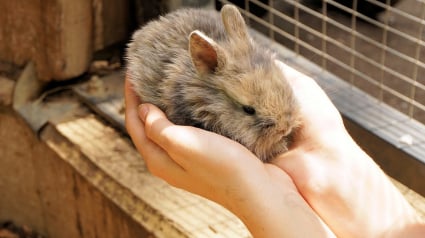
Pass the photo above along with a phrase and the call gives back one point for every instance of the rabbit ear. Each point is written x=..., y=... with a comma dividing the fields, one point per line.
x=234, y=23
x=205, y=53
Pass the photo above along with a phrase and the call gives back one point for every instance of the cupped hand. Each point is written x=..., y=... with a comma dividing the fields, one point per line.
x=187, y=157
x=338, y=179
x=262, y=195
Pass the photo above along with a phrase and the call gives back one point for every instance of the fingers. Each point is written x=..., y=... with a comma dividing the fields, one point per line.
x=132, y=122
x=156, y=125
x=319, y=116
x=305, y=88
x=193, y=148
x=161, y=164
x=169, y=137
x=156, y=159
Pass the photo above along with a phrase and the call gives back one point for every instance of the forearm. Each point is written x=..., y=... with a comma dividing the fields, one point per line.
x=353, y=195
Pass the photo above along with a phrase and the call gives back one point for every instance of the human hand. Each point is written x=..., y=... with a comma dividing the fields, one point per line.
x=215, y=167
x=339, y=181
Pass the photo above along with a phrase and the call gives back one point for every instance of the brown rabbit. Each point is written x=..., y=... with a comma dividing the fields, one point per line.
x=207, y=72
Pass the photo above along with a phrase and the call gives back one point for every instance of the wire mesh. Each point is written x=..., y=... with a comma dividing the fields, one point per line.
x=377, y=46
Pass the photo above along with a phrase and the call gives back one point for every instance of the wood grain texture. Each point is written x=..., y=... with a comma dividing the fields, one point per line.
x=111, y=164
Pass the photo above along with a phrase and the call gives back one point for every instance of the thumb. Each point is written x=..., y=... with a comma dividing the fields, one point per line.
x=156, y=124
x=150, y=113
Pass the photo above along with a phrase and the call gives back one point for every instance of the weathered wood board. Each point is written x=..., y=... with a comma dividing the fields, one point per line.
x=108, y=161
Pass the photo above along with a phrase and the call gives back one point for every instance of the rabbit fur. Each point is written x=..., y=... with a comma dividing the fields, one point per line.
x=204, y=70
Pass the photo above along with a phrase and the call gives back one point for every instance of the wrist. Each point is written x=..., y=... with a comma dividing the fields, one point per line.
x=273, y=207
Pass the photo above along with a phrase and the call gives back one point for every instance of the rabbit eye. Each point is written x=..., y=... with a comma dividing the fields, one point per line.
x=248, y=110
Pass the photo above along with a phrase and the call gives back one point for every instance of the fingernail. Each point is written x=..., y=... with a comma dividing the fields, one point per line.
x=143, y=111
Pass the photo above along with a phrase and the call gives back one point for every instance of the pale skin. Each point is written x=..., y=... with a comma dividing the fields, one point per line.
x=324, y=176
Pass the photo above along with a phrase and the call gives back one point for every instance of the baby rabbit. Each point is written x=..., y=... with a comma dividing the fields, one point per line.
x=207, y=72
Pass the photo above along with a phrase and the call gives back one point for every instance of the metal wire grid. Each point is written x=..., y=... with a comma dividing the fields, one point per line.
x=384, y=57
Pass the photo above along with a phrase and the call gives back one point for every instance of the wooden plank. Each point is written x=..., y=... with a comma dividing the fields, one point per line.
x=42, y=191
x=73, y=207
x=19, y=200
x=108, y=160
